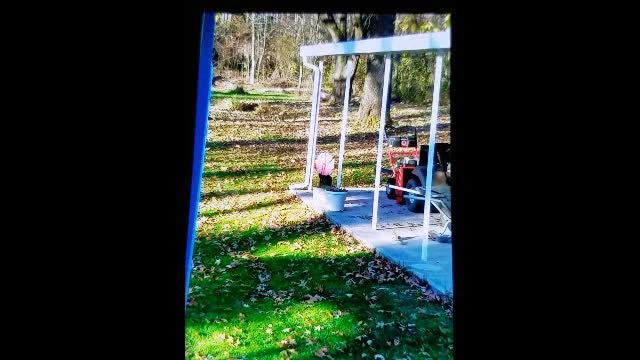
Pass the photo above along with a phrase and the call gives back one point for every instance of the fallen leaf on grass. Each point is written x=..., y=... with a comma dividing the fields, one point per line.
x=312, y=299
x=287, y=343
x=321, y=352
x=336, y=314
x=264, y=277
x=285, y=353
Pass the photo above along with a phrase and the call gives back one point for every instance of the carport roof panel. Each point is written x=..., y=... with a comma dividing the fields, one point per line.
x=416, y=42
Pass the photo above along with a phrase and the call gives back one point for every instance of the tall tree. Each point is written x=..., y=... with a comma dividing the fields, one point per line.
x=253, y=48
x=371, y=104
x=265, y=19
x=336, y=26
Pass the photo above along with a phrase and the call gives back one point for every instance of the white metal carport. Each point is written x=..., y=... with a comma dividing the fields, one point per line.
x=438, y=42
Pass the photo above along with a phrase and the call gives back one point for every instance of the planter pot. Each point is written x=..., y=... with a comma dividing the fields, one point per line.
x=319, y=197
x=335, y=200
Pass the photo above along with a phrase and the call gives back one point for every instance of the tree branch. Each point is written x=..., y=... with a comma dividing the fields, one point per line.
x=356, y=21
x=357, y=27
x=329, y=23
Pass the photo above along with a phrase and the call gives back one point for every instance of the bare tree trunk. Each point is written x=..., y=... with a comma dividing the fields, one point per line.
x=372, y=92
x=336, y=25
x=339, y=79
x=337, y=89
x=253, y=48
x=299, y=79
x=247, y=65
x=315, y=34
x=264, y=49
x=297, y=29
x=356, y=23
x=355, y=60
x=304, y=23
x=371, y=104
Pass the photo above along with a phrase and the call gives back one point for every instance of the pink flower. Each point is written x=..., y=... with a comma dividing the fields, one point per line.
x=324, y=164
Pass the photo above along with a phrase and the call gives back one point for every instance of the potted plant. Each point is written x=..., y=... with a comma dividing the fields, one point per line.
x=326, y=195
x=335, y=198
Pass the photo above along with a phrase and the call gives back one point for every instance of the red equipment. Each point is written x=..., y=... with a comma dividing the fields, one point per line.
x=401, y=168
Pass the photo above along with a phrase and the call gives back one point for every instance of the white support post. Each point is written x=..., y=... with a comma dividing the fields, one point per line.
x=343, y=129
x=383, y=114
x=312, y=121
x=433, y=128
x=315, y=132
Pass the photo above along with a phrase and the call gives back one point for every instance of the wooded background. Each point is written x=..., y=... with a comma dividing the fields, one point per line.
x=263, y=49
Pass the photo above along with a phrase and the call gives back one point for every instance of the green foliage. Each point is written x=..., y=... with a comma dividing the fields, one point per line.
x=327, y=73
x=361, y=73
x=217, y=94
x=371, y=122
x=278, y=40
x=411, y=24
x=239, y=90
x=413, y=77
x=413, y=74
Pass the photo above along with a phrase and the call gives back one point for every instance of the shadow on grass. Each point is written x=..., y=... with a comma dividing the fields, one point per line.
x=424, y=117
x=322, y=140
x=255, y=96
x=274, y=170
x=393, y=301
x=422, y=128
x=255, y=206
x=206, y=195
x=271, y=246
x=260, y=170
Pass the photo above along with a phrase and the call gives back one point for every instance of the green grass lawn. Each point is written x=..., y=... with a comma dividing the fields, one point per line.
x=272, y=280
x=266, y=96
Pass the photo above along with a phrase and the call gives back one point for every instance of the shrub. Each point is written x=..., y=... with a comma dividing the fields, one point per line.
x=239, y=90
x=239, y=105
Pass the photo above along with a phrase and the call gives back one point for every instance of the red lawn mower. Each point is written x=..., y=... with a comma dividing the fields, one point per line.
x=409, y=170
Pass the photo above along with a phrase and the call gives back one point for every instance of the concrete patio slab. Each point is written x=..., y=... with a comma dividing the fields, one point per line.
x=399, y=235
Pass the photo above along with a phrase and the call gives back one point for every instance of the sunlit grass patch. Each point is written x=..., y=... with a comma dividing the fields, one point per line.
x=262, y=257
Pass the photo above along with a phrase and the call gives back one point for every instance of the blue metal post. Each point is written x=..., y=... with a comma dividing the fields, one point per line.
x=203, y=97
